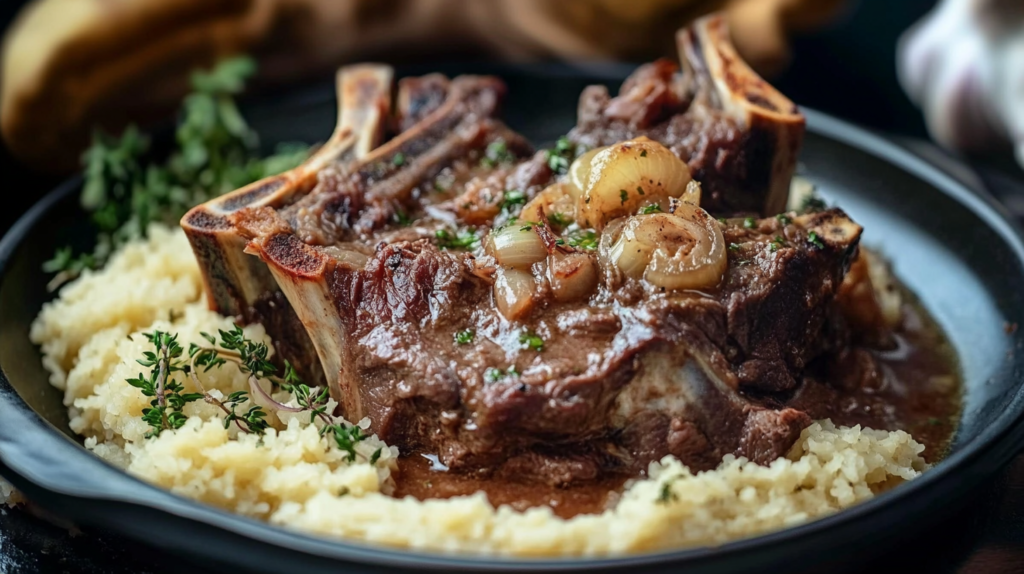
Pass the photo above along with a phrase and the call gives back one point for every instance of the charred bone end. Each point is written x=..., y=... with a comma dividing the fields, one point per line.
x=711, y=61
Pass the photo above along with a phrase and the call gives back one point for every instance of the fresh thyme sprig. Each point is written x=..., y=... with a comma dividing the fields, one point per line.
x=165, y=410
x=240, y=408
x=216, y=152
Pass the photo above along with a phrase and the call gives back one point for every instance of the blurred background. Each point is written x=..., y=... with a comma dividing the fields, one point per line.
x=70, y=66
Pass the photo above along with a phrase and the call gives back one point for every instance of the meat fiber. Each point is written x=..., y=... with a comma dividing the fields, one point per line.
x=368, y=271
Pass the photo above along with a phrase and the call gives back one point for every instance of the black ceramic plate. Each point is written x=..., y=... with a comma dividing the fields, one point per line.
x=955, y=248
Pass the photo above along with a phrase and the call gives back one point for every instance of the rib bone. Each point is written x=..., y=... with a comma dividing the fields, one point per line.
x=234, y=281
x=286, y=240
x=708, y=55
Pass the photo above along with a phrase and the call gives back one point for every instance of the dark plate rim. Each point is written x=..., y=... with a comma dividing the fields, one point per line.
x=29, y=469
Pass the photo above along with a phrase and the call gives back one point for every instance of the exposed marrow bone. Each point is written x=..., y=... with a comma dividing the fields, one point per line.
x=707, y=53
x=234, y=281
x=303, y=273
x=739, y=136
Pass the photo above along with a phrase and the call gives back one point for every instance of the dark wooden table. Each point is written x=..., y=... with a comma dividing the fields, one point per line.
x=986, y=536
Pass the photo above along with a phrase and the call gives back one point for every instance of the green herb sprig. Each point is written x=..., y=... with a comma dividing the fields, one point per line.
x=250, y=357
x=216, y=152
x=461, y=239
x=169, y=398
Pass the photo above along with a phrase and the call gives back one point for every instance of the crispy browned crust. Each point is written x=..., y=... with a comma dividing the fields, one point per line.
x=233, y=280
x=707, y=51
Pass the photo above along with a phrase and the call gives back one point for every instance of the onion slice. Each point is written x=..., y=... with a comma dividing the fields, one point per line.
x=571, y=275
x=680, y=250
x=513, y=292
x=621, y=179
x=517, y=245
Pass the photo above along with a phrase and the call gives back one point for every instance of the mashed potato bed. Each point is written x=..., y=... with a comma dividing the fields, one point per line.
x=91, y=336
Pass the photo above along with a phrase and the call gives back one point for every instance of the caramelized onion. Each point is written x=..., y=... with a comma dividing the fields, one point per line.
x=692, y=193
x=513, y=292
x=572, y=275
x=681, y=250
x=621, y=179
x=579, y=171
x=556, y=205
x=517, y=245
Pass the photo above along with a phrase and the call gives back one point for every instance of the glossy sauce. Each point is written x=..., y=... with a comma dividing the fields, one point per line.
x=914, y=387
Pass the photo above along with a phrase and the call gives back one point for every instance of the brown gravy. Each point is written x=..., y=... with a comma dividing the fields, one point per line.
x=915, y=387
x=415, y=478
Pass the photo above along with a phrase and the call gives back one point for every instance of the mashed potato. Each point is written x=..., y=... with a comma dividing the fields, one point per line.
x=91, y=337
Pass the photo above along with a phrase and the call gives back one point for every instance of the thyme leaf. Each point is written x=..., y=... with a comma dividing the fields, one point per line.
x=215, y=152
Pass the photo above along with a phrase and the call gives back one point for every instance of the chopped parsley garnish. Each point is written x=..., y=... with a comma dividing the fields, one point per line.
x=464, y=337
x=784, y=219
x=531, y=340
x=777, y=242
x=463, y=239
x=559, y=219
x=401, y=218
x=398, y=160
x=563, y=153
x=583, y=239
x=494, y=375
x=813, y=238
x=624, y=196
x=643, y=153
x=640, y=189
x=513, y=197
x=812, y=202
x=749, y=223
x=666, y=494
x=496, y=153
x=734, y=247
x=652, y=208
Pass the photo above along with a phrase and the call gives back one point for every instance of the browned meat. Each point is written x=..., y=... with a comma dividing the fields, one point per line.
x=739, y=135
x=239, y=285
x=381, y=263
x=418, y=98
x=626, y=384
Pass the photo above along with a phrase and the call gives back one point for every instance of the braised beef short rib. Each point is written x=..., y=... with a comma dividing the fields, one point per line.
x=364, y=264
